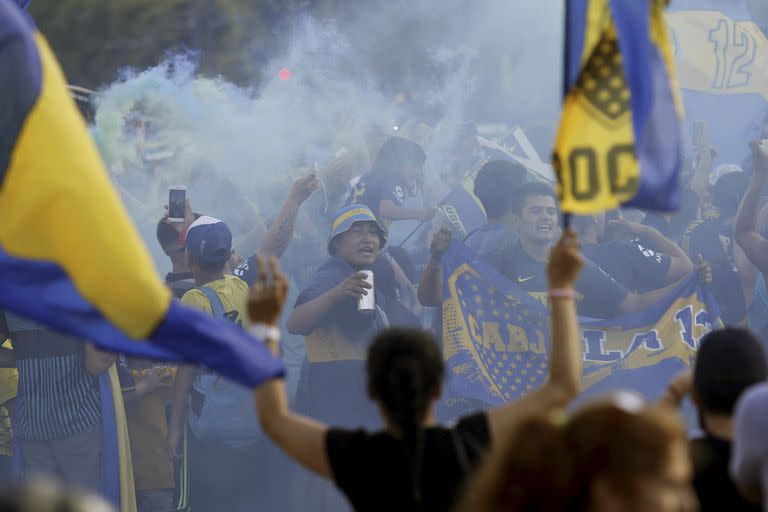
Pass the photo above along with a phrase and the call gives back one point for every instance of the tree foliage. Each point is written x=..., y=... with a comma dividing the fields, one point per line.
x=94, y=39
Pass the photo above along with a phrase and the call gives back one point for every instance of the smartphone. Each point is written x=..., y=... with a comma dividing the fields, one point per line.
x=700, y=135
x=177, y=200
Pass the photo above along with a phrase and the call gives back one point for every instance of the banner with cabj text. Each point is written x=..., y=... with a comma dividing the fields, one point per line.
x=496, y=336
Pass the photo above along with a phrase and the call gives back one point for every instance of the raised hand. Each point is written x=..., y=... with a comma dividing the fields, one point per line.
x=565, y=261
x=303, y=187
x=268, y=293
x=441, y=242
x=703, y=270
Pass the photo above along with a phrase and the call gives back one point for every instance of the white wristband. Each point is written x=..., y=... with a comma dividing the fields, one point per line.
x=265, y=332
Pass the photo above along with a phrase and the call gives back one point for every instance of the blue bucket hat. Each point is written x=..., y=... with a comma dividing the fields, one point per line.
x=342, y=221
x=209, y=241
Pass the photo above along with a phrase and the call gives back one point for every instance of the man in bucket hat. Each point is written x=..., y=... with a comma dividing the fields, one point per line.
x=337, y=334
x=332, y=384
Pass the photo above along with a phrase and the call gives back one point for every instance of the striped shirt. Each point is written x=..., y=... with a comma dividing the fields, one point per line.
x=57, y=397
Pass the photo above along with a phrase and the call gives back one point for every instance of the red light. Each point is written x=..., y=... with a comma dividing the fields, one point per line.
x=284, y=74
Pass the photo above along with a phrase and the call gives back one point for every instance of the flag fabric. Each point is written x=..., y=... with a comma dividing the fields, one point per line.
x=496, y=336
x=619, y=138
x=720, y=55
x=69, y=256
x=463, y=209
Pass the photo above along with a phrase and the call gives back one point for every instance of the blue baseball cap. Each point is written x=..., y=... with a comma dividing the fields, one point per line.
x=209, y=241
x=342, y=221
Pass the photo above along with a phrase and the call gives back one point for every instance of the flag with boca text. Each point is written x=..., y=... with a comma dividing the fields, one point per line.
x=619, y=139
x=496, y=336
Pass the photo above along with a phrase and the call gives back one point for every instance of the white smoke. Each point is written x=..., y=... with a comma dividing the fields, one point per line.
x=486, y=61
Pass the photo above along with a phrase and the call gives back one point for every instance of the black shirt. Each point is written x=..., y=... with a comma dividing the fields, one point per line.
x=712, y=482
x=601, y=294
x=372, y=468
x=372, y=189
x=634, y=266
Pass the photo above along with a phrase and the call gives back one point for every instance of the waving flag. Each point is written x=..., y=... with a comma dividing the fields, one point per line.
x=496, y=336
x=720, y=54
x=619, y=139
x=69, y=256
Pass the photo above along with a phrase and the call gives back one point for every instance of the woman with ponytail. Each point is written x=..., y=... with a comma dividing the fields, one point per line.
x=414, y=464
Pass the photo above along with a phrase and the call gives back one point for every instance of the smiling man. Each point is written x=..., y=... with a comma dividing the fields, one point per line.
x=536, y=219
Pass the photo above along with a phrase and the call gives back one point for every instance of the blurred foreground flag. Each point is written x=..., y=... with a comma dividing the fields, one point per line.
x=619, y=140
x=69, y=256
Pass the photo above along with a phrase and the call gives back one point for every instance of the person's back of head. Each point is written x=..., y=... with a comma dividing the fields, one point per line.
x=727, y=193
x=399, y=157
x=749, y=459
x=46, y=496
x=168, y=237
x=728, y=362
x=496, y=184
x=607, y=456
x=405, y=372
x=208, y=243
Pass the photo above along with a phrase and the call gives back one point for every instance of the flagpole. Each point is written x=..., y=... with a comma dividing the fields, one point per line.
x=566, y=73
x=566, y=221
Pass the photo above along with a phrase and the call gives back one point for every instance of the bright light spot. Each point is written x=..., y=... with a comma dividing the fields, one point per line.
x=284, y=74
x=396, y=128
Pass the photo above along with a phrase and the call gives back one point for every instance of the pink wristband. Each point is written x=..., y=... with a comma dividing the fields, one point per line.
x=562, y=293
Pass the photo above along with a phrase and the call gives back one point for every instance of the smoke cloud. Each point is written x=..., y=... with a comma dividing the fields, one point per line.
x=386, y=65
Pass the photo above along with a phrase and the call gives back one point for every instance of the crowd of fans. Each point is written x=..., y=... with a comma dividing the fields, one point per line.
x=360, y=423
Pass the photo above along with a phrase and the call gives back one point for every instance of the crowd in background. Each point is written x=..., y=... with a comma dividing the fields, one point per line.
x=199, y=441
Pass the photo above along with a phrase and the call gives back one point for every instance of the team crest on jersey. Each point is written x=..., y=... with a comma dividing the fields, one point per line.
x=650, y=253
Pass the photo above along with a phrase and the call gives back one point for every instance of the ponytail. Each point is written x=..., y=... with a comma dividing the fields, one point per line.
x=405, y=369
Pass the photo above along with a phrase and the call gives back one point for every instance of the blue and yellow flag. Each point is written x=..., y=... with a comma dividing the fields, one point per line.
x=619, y=140
x=720, y=56
x=69, y=256
x=496, y=336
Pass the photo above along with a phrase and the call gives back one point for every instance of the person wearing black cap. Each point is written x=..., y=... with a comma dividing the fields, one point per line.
x=728, y=362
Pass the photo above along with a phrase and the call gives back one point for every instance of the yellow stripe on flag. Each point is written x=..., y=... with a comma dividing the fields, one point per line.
x=58, y=205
